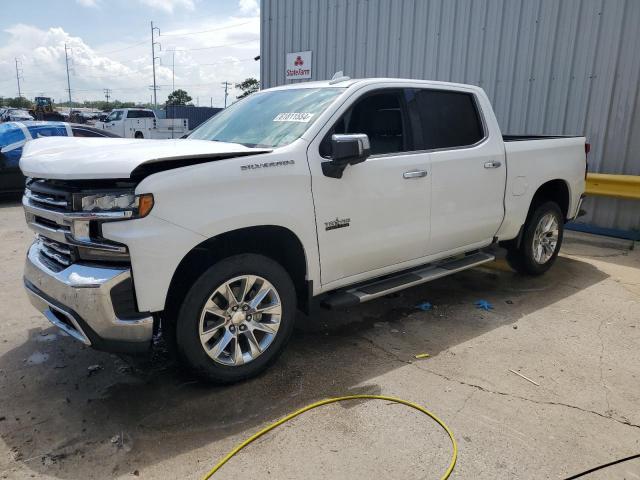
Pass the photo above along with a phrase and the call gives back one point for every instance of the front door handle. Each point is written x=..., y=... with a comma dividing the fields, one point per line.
x=415, y=174
x=494, y=164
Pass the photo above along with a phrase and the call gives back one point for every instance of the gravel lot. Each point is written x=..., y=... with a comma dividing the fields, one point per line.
x=574, y=331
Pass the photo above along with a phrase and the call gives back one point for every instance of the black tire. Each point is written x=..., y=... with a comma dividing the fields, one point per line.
x=138, y=135
x=522, y=258
x=189, y=348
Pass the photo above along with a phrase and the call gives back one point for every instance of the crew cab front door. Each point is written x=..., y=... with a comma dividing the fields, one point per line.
x=377, y=215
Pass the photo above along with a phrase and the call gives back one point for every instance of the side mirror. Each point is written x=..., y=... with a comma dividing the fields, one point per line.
x=346, y=149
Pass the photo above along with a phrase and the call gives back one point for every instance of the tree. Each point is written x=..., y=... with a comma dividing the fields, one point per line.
x=249, y=86
x=17, y=102
x=178, y=97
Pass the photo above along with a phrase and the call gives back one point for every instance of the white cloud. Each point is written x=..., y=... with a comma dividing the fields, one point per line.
x=124, y=65
x=249, y=7
x=169, y=5
x=88, y=3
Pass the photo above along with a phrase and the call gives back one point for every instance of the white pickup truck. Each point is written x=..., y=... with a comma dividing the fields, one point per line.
x=341, y=190
x=143, y=123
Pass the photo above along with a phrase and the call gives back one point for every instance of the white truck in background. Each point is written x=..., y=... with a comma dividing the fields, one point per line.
x=342, y=190
x=143, y=123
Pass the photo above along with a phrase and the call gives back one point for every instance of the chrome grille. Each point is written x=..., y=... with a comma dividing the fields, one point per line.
x=50, y=200
x=66, y=235
x=58, y=253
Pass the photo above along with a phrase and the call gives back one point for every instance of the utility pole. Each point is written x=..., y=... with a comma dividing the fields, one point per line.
x=107, y=94
x=153, y=62
x=66, y=57
x=173, y=71
x=211, y=100
x=18, y=78
x=226, y=92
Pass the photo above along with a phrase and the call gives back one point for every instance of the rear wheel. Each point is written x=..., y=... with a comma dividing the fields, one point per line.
x=541, y=241
x=237, y=318
x=138, y=135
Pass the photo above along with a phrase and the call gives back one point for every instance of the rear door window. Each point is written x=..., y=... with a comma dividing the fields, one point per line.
x=446, y=119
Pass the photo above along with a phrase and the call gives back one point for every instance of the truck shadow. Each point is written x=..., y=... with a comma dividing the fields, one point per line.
x=66, y=418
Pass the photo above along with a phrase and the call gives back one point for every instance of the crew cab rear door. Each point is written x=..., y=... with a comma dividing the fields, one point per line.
x=377, y=215
x=466, y=152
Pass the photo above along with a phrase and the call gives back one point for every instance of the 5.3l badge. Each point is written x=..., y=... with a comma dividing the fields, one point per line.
x=337, y=223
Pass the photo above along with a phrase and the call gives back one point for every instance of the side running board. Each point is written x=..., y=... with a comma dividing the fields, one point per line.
x=377, y=288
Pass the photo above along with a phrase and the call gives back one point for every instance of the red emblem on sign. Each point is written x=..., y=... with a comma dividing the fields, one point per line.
x=298, y=62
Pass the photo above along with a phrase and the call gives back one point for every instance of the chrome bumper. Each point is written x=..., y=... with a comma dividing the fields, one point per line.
x=78, y=299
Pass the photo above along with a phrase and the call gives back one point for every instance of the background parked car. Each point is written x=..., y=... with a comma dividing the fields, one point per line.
x=13, y=136
x=14, y=115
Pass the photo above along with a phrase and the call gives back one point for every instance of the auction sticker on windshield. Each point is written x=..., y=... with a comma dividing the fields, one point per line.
x=303, y=117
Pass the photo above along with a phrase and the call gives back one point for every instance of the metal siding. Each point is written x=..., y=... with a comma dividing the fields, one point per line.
x=549, y=67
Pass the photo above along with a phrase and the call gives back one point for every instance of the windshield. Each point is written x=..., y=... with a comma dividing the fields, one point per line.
x=268, y=119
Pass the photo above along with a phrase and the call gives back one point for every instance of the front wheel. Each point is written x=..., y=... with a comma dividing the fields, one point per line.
x=237, y=318
x=541, y=241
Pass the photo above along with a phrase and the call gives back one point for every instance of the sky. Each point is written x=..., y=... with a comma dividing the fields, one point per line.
x=109, y=46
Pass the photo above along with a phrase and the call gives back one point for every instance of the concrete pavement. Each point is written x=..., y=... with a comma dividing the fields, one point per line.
x=574, y=331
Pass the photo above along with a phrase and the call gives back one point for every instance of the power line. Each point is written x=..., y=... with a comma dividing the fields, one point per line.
x=216, y=46
x=222, y=62
x=124, y=48
x=205, y=31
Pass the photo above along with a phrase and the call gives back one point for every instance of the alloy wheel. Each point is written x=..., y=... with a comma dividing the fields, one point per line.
x=545, y=238
x=240, y=320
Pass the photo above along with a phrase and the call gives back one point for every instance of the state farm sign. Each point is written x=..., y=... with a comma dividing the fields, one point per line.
x=298, y=65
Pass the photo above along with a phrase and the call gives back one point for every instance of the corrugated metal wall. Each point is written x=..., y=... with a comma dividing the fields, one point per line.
x=549, y=66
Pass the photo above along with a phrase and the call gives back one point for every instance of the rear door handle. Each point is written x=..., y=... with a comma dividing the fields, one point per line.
x=494, y=164
x=415, y=174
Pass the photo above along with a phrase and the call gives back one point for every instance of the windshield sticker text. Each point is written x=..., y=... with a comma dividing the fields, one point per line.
x=302, y=117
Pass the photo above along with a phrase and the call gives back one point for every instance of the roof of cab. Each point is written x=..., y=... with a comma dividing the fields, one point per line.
x=348, y=82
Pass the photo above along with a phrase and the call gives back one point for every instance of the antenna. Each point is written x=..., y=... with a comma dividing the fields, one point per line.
x=338, y=77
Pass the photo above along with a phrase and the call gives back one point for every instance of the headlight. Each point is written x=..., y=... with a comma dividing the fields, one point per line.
x=138, y=205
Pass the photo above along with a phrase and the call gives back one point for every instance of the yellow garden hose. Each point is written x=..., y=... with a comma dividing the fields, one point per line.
x=327, y=401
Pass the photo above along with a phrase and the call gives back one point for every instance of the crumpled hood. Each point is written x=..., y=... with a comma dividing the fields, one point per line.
x=74, y=158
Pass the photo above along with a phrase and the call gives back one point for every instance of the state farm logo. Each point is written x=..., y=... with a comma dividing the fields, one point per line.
x=298, y=65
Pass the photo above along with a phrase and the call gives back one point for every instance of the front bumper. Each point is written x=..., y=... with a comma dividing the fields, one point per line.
x=87, y=303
